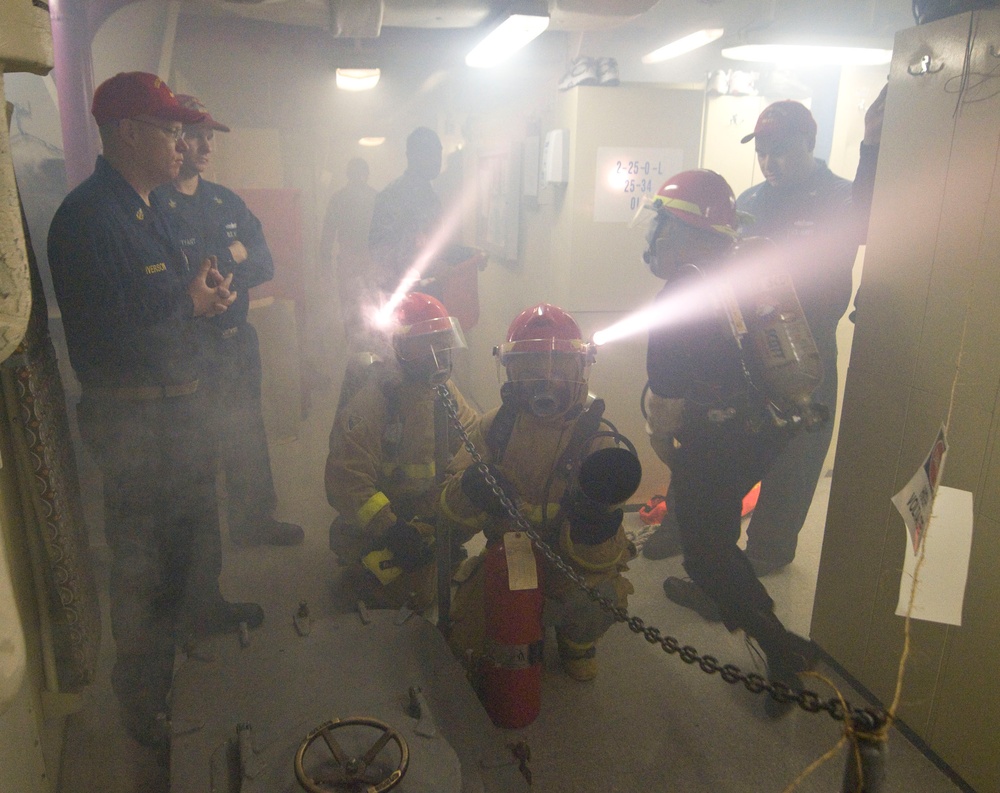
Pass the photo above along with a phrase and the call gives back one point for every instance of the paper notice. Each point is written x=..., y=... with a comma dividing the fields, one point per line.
x=941, y=588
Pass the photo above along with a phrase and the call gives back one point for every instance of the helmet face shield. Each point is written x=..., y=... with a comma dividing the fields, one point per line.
x=673, y=244
x=424, y=350
x=544, y=363
x=427, y=338
x=548, y=376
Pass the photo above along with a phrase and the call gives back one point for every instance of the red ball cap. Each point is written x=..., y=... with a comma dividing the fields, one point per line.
x=131, y=94
x=783, y=120
x=193, y=103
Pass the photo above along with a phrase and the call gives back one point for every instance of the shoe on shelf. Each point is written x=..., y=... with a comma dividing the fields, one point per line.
x=268, y=532
x=607, y=72
x=766, y=567
x=582, y=71
x=687, y=593
x=664, y=542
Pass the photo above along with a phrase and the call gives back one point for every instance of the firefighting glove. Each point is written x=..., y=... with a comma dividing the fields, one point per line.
x=407, y=546
x=480, y=492
x=590, y=523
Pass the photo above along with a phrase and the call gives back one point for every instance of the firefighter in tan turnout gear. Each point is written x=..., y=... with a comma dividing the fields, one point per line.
x=534, y=445
x=381, y=471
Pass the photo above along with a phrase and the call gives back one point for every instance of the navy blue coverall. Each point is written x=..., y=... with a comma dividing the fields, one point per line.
x=121, y=279
x=209, y=222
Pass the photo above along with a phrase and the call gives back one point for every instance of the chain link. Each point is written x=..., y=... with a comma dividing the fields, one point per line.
x=808, y=701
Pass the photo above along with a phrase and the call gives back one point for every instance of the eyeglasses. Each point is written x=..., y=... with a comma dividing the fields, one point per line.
x=176, y=133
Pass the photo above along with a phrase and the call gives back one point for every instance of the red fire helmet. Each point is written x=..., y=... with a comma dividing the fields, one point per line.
x=546, y=329
x=699, y=198
x=422, y=322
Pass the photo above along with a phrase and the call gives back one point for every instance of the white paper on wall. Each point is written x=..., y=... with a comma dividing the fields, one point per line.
x=948, y=542
x=625, y=175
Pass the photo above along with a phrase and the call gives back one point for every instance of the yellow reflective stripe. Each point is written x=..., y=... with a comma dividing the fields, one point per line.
x=411, y=470
x=567, y=540
x=532, y=512
x=535, y=514
x=371, y=508
x=692, y=208
x=475, y=522
x=678, y=203
x=576, y=647
x=725, y=230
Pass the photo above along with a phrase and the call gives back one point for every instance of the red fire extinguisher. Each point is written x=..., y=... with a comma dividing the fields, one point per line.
x=512, y=671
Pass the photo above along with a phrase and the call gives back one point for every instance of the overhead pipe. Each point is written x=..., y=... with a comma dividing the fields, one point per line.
x=74, y=80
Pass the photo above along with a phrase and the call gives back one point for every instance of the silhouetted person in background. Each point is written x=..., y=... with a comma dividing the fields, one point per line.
x=407, y=213
x=346, y=224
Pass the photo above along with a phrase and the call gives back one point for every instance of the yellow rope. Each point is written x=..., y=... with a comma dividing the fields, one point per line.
x=901, y=671
x=832, y=752
x=882, y=733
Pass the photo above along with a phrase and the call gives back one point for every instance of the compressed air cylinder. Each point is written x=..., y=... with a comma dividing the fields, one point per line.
x=782, y=344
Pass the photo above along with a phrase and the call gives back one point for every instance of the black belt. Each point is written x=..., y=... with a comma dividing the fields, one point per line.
x=141, y=393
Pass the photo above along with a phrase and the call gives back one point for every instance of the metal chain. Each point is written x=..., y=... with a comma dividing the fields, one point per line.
x=809, y=701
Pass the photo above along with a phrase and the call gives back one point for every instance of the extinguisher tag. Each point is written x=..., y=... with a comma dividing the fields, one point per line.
x=521, y=570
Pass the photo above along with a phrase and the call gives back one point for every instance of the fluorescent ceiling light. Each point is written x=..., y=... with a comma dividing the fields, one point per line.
x=506, y=39
x=371, y=141
x=808, y=55
x=683, y=45
x=357, y=79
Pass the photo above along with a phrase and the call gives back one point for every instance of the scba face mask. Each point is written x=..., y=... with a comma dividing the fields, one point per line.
x=542, y=398
x=546, y=384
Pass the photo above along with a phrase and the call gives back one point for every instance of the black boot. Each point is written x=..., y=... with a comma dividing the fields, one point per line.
x=787, y=653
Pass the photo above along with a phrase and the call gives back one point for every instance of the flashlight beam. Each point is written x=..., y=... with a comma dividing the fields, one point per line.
x=700, y=297
x=694, y=301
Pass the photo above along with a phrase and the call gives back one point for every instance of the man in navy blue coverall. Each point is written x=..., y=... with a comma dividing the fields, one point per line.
x=214, y=221
x=131, y=305
x=809, y=212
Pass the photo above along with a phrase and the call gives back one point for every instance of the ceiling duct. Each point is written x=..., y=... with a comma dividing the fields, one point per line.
x=356, y=19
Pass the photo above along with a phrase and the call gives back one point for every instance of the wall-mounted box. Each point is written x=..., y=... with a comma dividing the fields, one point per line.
x=555, y=157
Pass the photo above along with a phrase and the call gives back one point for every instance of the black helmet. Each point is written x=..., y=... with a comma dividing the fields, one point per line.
x=931, y=10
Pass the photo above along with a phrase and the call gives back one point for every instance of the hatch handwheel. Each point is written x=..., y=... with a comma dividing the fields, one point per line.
x=363, y=773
